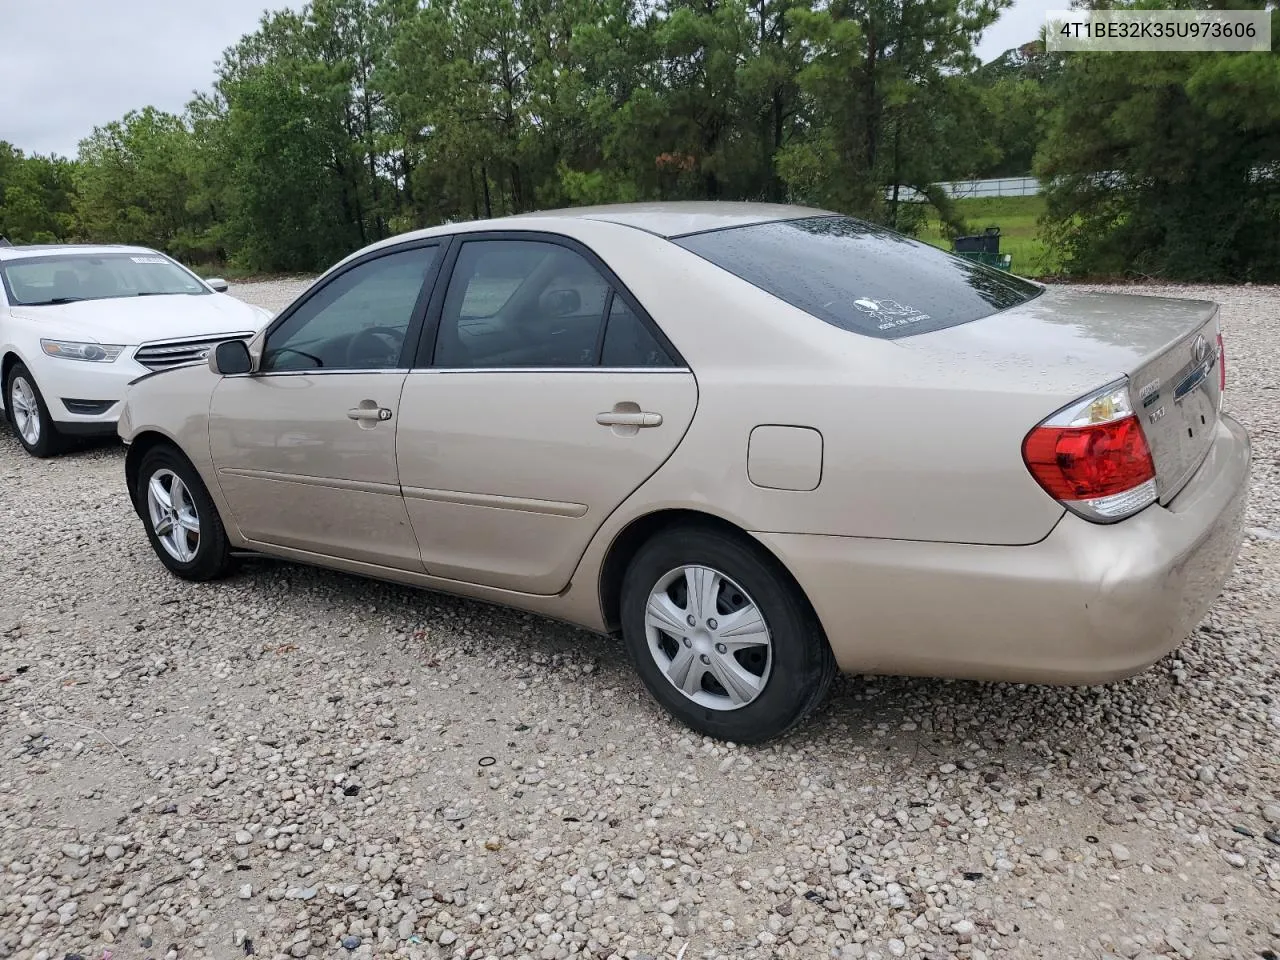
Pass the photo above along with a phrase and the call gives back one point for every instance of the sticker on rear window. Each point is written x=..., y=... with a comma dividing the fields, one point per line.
x=890, y=313
x=148, y=259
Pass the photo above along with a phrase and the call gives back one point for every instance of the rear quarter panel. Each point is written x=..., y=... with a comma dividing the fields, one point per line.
x=913, y=449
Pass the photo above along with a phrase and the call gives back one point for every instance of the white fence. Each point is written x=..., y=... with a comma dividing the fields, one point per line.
x=1030, y=186
x=966, y=189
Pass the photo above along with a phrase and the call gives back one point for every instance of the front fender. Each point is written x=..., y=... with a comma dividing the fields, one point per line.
x=172, y=407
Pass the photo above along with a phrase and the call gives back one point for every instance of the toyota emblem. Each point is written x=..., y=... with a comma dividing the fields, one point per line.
x=1199, y=349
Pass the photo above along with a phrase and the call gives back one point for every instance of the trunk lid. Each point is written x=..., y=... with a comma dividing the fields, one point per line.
x=1177, y=396
x=1066, y=343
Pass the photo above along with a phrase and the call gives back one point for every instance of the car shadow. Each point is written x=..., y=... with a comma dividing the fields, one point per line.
x=913, y=722
x=93, y=446
x=75, y=447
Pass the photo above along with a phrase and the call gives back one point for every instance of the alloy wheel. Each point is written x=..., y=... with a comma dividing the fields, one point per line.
x=173, y=515
x=25, y=410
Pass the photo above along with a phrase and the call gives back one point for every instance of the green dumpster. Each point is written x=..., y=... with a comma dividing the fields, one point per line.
x=1001, y=260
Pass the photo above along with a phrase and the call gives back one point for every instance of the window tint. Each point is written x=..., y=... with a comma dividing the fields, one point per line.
x=861, y=277
x=628, y=342
x=357, y=321
x=521, y=303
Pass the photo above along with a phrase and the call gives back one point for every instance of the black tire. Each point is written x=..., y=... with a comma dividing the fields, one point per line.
x=211, y=552
x=48, y=442
x=801, y=667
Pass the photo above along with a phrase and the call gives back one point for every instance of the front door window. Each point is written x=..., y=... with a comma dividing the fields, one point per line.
x=357, y=321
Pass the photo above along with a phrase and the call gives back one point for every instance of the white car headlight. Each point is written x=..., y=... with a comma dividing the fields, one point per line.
x=71, y=350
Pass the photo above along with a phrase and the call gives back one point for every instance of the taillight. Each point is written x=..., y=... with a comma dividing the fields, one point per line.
x=1093, y=457
x=1222, y=369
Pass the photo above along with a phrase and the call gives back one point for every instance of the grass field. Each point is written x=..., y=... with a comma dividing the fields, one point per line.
x=1019, y=232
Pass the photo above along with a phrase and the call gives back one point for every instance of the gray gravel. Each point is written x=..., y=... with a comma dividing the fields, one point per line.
x=300, y=763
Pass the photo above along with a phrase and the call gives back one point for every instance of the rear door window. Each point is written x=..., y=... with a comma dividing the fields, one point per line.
x=521, y=303
x=628, y=342
x=861, y=277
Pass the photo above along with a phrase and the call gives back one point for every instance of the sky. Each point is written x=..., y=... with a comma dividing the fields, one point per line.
x=1017, y=25
x=67, y=66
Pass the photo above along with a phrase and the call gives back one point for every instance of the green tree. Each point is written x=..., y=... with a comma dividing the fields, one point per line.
x=889, y=101
x=291, y=150
x=1017, y=91
x=1166, y=165
x=348, y=120
x=36, y=197
x=134, y=182
x=595, y=91
x=704, y=44
x=458, y=82
x=769, y=89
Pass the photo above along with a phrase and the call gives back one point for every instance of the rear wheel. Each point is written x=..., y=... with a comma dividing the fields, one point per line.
x=722, y=637
x=29, y=414
x=181, y=521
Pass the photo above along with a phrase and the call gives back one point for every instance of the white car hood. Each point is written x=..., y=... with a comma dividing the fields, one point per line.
x=134, y=320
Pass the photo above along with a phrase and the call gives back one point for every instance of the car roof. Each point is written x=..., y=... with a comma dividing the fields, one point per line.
x=66, y=249
x=676, y=219
x=667, y=220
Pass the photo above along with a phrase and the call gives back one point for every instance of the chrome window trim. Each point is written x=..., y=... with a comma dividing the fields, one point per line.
x=318, y=372
x=326, y=372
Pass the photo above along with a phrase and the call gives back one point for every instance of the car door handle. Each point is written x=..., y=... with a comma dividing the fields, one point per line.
x=376, y=414
x=640, y=419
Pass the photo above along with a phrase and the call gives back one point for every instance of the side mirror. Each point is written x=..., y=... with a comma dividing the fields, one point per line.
x=231, y=357
x=217, y=284
x=561, y=303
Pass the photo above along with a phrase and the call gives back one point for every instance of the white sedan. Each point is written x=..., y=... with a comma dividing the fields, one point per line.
x=79, y=323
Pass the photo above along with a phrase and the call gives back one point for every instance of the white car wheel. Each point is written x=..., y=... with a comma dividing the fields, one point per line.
x=30, y=415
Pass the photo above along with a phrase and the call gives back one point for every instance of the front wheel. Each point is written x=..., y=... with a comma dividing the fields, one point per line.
x=721, y=635
x=30, y=415
x=181, y=521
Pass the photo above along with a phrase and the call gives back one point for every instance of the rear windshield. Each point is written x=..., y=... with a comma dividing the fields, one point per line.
x=859, y=276
x=68, y=277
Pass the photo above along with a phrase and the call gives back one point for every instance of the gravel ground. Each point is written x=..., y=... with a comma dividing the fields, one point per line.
x=300, y=763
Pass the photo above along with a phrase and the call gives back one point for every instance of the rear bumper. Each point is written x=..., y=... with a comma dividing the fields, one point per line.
x=1087, y=604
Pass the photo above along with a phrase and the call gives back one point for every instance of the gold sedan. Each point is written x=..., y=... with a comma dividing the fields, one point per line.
x=762, y=442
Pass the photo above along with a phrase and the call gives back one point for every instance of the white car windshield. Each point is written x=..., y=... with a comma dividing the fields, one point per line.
x=67, y=278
